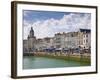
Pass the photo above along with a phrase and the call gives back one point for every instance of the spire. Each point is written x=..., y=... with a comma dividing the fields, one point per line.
x=31, y=33
x=31, y=29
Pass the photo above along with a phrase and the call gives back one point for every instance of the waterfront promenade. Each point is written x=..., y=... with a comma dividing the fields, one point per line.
x=84, y=57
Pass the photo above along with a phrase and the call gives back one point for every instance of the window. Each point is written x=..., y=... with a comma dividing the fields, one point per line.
x=58, y=41
x=86, y=40
x=87, y=35
x=58, y=46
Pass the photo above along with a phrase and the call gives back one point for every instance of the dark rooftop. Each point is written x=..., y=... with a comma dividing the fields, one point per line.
x=85, y=30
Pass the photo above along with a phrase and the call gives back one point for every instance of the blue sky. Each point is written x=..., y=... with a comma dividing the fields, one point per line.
x=47, y=23
x=31, y=15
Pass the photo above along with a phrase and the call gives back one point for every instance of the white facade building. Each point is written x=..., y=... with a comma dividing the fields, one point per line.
x=71, y=40
x=85, y=38
x=59, y=40
x=44, y=43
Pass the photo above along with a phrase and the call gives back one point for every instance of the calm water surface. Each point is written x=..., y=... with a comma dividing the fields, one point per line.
x=33, y=62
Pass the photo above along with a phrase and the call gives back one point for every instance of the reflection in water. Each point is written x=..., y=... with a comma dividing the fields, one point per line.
x=33, y=62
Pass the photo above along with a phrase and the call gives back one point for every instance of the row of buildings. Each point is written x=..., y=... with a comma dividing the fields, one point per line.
x=70, y=40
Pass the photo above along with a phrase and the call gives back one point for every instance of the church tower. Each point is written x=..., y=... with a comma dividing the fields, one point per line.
x=31, y=40
x=31, y=34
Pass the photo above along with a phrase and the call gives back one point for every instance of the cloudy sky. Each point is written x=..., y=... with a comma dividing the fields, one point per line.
x=47, y=23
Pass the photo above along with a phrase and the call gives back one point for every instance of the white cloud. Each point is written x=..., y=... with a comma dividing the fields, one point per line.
x=26, y=28
x=49, y=27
